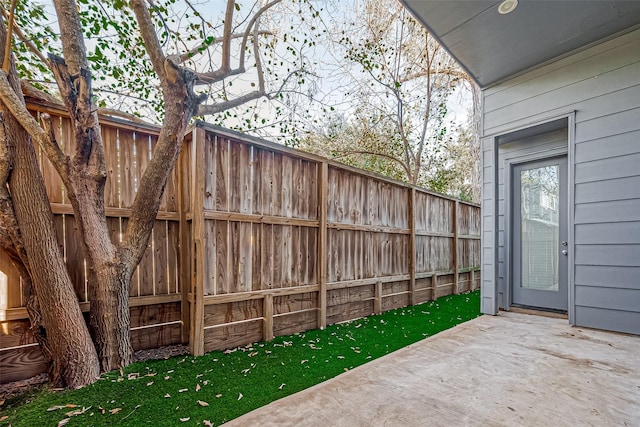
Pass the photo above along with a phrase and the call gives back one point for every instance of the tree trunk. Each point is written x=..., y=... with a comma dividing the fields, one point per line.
x=109, y=317
x=73, y=354
x=75, y=361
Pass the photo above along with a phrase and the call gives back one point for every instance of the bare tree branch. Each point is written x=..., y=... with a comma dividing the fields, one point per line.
x=250, y=25
x=224, y=72
x=427, y=73
x=208, y=109
x=200, y=48
x=7, y=49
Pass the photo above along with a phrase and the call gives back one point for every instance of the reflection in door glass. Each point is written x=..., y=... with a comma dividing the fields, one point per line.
x=539, y=228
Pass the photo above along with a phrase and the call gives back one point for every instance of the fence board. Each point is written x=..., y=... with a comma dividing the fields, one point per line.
x=73, y=253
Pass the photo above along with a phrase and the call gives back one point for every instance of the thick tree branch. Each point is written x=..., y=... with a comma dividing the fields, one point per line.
x=6, y=64
x=148, y=33
x=77, y=94
x=180, y=105
x=73, y=47
x=208, y=109
x=59, y=160
x=217, y=76
x=225, y=66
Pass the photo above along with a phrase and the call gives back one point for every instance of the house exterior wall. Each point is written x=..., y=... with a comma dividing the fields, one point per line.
x=600, y=88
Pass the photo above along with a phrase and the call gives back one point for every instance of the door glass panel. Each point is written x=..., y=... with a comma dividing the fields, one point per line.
x=539, y=228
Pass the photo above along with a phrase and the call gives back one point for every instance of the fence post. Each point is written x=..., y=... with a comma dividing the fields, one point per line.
x=267, y=311
x=412, y=245
x=377, y=302
x=323, y=182
x=196, y=337
x=454, y=252
x=184, y=250
x=434, y=285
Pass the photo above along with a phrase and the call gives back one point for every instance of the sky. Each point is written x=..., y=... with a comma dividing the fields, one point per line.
x=328, y=81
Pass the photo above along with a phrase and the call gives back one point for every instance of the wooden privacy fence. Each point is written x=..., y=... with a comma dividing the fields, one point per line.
x=253, y=240
x=285, y=241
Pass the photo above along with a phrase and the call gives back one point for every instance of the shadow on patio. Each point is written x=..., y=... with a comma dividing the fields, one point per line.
x=511, y=369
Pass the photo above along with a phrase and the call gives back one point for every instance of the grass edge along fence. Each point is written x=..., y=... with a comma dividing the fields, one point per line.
x=255, y=240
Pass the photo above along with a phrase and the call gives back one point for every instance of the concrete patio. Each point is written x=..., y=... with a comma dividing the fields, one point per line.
x=511, y=369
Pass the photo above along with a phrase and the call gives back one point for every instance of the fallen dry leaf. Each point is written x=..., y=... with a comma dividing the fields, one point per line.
x=4, y=418
x=281, y=386
x=197, y=387
x=218, y=396
x=55, y=408
x=202, y=403
x=102, y=411
x=151, y=374
x=182, y=390
x=63, y=422
x=184, y=420
x=149, y=383
x=167, y=395
x=1, y=402
x=78, y=412
x=167, y=377
x=115, y=410
x=207, y=423
x=240, y=396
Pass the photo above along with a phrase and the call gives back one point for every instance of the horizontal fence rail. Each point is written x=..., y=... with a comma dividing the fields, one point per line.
x=253, y=240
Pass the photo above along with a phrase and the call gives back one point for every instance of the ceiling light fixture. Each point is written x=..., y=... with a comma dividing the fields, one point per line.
x=507, y=6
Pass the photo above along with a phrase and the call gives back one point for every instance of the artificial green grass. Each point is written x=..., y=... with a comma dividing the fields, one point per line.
x=220, y=386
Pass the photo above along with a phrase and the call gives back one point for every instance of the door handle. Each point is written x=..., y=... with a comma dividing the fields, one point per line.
x=564, y=243
x=565, y=252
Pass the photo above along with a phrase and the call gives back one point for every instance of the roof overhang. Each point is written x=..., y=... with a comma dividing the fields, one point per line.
x=493, y=47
